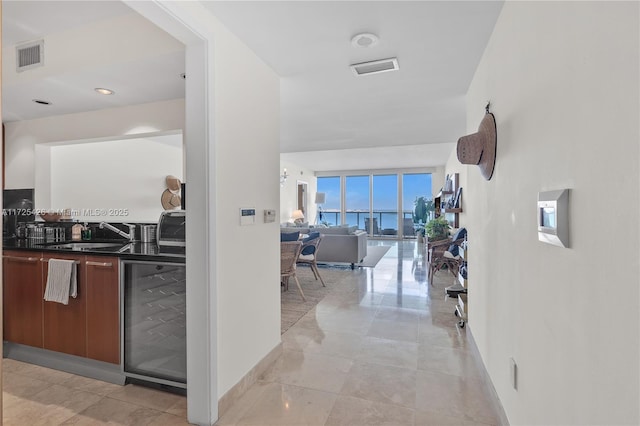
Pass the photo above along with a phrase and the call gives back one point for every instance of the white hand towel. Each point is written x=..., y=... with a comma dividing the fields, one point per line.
x=61, y=281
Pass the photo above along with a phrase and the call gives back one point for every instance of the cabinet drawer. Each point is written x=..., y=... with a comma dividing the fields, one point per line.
x=22, y=298
x=64, y=327
x=103, y=308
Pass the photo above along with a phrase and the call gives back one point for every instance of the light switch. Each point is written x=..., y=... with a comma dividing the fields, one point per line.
x=269, y=216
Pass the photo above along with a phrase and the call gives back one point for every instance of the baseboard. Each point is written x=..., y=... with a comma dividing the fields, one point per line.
x=486, y=381
x=70, y=363
x=233, y=394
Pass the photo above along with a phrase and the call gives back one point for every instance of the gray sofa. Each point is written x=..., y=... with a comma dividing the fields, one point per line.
x=340, y=244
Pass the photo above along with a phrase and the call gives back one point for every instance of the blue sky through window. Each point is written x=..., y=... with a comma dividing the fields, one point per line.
x=385, y=191
x=331, y=187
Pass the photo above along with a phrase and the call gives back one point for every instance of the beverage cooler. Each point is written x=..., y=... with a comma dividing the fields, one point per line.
x=154, y=334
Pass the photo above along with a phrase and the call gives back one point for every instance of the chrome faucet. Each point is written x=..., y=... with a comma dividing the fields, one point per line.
x=130, y=236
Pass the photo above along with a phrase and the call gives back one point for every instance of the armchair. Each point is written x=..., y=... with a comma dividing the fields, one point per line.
x=444, y=253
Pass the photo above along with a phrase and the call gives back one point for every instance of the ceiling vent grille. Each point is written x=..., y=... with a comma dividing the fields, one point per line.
x=375, y=67
x=29, y=55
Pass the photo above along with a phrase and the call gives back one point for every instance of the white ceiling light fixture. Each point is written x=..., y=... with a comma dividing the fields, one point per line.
x=375, y=67
x=364, y=40
x=104, y=91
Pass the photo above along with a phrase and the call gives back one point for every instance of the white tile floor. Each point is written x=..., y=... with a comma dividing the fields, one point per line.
x=382, y=349
x=34, y=395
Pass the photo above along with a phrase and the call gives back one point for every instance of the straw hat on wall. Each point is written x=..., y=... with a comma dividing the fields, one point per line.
x=480, y=148
x=170, y=198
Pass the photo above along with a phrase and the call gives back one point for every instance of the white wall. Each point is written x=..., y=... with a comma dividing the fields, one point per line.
x=289, y=192
x=562, y=78
x=437, y=180
x=22, y=136
x=247, y=138
x=116, y=181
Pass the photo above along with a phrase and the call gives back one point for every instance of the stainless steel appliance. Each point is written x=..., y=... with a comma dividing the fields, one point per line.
x=154, y=322
x=171, y=228
x=148, y=233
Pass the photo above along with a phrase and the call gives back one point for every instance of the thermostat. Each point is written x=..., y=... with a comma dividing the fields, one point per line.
x=247, y=216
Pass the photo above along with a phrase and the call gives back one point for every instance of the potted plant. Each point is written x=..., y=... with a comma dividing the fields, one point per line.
x=437, y=229
x=421, y=213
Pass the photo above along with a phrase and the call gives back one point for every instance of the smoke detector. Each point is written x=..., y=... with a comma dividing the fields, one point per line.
x=364, y=40
x=375, y=67
x=29, y=55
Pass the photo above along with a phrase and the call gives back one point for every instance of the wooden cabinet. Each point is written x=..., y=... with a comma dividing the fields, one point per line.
x=89, y=326
x=103, y=309
x=65, y=327
x=22, y=298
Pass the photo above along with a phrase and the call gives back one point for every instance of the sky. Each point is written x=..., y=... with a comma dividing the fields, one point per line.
x=385, y=191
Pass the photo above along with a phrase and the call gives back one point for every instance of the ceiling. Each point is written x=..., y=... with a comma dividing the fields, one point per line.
x=330, y=118
x=330, y=114
x=87, y=44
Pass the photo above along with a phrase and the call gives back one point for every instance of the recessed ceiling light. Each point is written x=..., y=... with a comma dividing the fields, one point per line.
x=364, y=40
x=41, y=102
x=104, y=91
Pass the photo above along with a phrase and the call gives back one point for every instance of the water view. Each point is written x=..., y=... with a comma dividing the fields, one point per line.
x=375, y=199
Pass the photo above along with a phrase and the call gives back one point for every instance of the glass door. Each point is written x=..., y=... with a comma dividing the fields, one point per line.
x=357, y=201
x=154, y=326
x=414, y=185
x=330, y=210
x=385, y=205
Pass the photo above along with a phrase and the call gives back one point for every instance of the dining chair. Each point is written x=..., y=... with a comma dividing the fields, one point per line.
x=308, y=254
x=289, y=236
x=289, y=252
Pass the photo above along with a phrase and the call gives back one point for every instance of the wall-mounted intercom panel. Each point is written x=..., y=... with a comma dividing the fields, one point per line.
x=247, y=216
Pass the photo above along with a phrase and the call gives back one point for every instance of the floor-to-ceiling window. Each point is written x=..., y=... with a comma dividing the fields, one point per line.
x=381, y=203
x=385, y=205
x=330, y=210
x=356, y=200
x=414, y=185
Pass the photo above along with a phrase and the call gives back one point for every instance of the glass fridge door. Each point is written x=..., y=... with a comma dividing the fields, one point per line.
x=155, y=321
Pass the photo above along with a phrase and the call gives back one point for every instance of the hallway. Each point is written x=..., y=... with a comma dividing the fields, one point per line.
x=384, y=348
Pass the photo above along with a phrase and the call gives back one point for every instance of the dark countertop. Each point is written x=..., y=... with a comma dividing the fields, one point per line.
x=118, y=248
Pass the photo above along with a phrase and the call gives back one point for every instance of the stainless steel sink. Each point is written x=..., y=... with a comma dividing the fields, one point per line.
x=85, y=246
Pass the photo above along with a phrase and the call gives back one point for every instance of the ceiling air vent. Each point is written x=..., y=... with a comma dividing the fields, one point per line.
x=29, y=55
x=375, y=67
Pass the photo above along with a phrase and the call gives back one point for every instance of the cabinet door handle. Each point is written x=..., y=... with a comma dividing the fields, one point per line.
x=100, y=264
x=22, y=259
x=47, y=260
